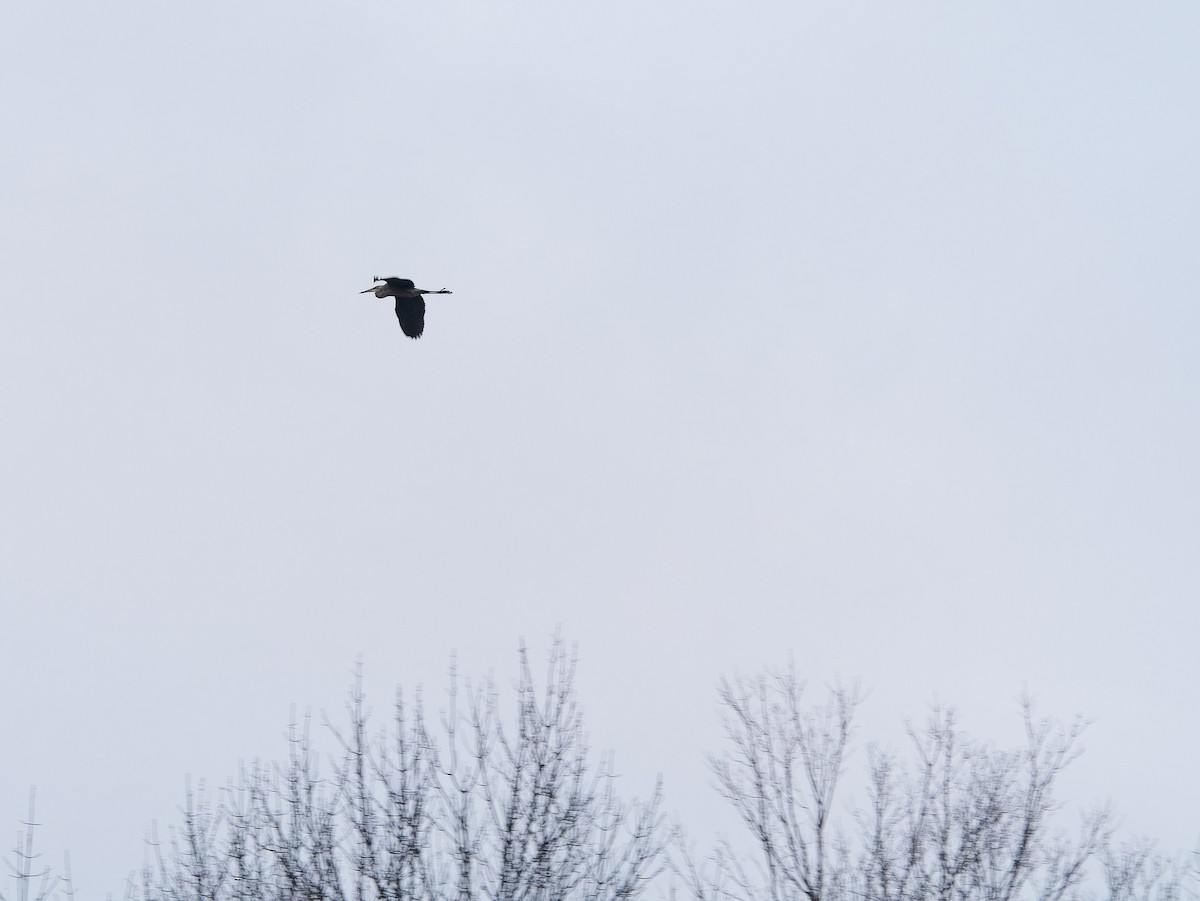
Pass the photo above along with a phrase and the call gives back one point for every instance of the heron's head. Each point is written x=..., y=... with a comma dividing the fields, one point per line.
x=379, y=283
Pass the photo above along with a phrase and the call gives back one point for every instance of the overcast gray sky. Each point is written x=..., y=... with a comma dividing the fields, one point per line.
x=863, y=332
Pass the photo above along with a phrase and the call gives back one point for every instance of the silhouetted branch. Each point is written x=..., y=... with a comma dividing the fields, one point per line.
x=34, y=879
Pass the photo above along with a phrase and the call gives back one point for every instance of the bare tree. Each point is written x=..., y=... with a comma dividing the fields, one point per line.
x=494, y=804
x=530, y=817
x=195, y=867
x=781, y=777
x=959, y=820
x=34, y=879
x=388, y=785
x=968, y=821
x=510, y=809
x=1135, y=872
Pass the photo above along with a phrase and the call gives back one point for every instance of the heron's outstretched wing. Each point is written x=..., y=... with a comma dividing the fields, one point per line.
x=411, y=313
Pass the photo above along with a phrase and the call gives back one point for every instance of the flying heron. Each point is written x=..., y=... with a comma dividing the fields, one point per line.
x=410, y=305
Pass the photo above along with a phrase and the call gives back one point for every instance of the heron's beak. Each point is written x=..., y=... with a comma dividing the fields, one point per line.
x=370, y=290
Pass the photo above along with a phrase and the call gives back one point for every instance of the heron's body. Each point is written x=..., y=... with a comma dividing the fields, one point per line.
x=410, y=302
